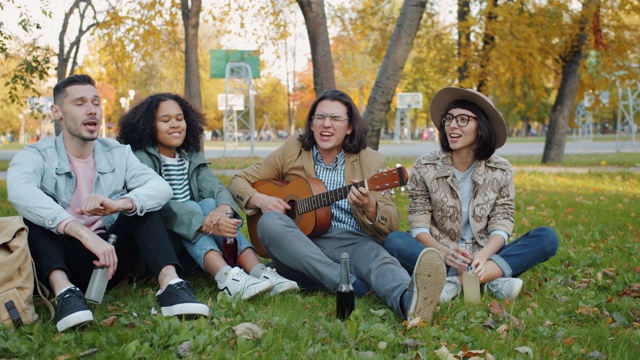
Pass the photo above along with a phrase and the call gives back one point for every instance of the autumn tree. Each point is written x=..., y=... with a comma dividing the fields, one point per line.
x=563, y=106
x=191, y=19
x=394, y=60
x=31, y=62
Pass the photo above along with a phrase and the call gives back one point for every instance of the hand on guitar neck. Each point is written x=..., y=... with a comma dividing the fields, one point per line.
x=361, y=197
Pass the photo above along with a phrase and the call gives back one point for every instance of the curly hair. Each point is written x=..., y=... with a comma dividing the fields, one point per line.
x=354, y=142
x=138, y=126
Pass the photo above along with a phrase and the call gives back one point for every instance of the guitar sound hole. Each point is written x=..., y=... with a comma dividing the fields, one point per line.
x=292, y=213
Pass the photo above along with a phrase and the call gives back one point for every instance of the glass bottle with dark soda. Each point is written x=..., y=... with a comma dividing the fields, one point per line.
x=230, y=247
x=345, y=298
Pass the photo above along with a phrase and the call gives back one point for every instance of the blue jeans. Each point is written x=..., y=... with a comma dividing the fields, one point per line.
x=529, y=250
x=206, y=242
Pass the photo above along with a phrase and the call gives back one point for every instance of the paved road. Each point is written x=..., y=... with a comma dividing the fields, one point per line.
x=417, y=148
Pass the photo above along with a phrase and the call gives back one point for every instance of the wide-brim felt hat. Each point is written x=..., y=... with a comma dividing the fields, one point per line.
x=446, y=96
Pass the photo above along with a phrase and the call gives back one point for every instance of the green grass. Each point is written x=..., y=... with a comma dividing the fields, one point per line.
x=581, y=303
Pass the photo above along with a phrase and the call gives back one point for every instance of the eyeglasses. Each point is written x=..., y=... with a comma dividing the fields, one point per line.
x=462, y=119
x=332, y=117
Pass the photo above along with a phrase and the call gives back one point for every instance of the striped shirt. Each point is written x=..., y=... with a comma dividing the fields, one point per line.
x=174, y=171
x=333, y=177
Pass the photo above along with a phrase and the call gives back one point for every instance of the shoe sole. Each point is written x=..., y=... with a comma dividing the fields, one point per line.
x=284, y=287
x=188, y=309
x=257, y=289
x=429, y=276
x=514, y=294
x=75, y=319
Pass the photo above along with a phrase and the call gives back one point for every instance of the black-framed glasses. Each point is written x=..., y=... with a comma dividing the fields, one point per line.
x=332, y=117
x=461, y=119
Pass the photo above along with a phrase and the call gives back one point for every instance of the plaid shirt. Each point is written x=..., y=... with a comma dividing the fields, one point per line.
x=333, y=177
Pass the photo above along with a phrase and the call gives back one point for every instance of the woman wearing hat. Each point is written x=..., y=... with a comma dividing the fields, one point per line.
x=464, y=192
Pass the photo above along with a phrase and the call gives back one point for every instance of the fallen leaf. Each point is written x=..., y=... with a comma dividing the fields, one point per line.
x=184, y=350
x=248, y=331
x=411, y=343
x=110, y=321
x=382, y=345
x=596, y=355
x=548, y=323
x=609, y=272
x=131, y=326
x=89, y=352
x=569, y=341
x=599, y=276
x=444, y=354
x=609, y=299
x=559, y=335
x=417, y=321
x=490, y=323
x=65, y=357
x=490, y=357
x=525, y=350
x=588, y=311
x=502, y=329
x=496, y=308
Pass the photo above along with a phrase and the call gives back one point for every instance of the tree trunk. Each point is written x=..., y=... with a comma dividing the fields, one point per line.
x=563, y=106
x=316, y=21
x=191, y=21
x=389, y=74
x=464, y=39
x=488, y=42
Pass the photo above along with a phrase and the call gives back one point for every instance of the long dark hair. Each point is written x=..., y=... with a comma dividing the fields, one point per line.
x=486, y=139
x=354, y=142
x=138, y=125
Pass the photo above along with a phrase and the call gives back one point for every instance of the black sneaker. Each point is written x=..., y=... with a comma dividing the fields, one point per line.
x=72, y=309
x=179, y=299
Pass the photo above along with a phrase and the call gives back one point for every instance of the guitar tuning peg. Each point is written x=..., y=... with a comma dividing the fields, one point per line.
x=402, y=189
x=383, y=193
x=388, y=168
x=378, y=171
x=392, y=191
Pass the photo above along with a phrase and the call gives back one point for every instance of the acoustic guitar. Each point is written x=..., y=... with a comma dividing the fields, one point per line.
x=310, y=201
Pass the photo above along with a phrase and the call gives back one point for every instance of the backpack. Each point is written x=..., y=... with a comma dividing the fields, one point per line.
x=17, y=271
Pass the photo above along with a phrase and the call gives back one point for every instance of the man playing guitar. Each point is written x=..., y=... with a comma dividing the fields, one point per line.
x=333, y=149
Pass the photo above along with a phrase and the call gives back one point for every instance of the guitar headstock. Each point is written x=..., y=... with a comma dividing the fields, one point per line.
x=388, y=179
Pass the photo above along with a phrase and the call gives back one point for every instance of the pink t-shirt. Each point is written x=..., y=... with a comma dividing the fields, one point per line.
x=84, y=171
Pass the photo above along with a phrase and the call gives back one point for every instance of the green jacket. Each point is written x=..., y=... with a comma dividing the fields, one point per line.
x=178, y=217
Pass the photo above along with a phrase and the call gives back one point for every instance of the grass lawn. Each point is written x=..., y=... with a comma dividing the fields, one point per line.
x=582, y=304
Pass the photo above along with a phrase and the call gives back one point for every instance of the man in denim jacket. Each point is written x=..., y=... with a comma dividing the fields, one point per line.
x=71, y=191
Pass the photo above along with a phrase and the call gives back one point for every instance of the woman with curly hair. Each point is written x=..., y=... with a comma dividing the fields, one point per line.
x=164, y=132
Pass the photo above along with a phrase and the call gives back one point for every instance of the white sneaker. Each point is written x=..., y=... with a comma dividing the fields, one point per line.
x=239, y=282
x=281, y=284
x=505, y=288
x=451, y=290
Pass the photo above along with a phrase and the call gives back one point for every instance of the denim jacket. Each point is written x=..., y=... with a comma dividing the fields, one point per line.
x=40, y=183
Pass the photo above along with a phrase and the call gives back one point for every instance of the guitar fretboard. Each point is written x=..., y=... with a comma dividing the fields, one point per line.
x=326, y=198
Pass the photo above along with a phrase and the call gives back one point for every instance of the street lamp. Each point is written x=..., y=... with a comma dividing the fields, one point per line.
x=125, y=101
